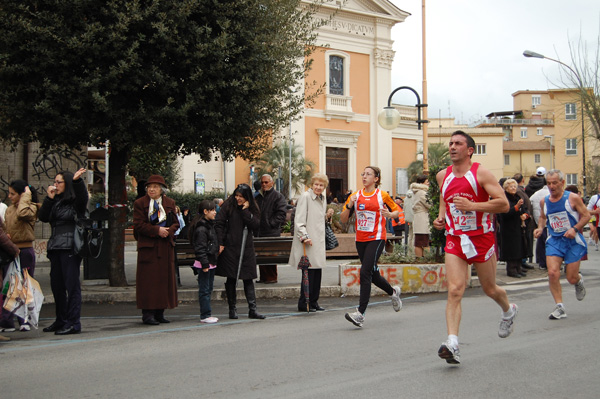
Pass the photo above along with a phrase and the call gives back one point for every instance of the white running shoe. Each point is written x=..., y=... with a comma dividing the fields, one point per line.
x=209, y=320
x=558, y=313
x=449, y=353
x=396, y=301
x=356, y=318
x=25, y=327
x=506, y=325
x=580, y=289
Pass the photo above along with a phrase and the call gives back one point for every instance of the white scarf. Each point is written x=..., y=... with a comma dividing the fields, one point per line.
x=162, y=215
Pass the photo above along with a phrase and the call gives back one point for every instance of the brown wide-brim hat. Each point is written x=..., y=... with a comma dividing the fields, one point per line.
x=156, y=179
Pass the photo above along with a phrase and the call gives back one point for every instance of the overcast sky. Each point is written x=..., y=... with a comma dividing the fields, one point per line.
x=475, y=47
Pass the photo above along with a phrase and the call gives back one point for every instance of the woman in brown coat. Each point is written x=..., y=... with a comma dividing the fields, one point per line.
x=154, y=224
x=19, y=221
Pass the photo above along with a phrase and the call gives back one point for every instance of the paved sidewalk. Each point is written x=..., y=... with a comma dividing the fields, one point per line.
x=288, y=285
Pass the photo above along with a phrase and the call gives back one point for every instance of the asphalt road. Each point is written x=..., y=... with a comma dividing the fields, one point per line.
x=317, y=355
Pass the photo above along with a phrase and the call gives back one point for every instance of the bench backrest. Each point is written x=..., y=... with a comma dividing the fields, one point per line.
x=269, y=250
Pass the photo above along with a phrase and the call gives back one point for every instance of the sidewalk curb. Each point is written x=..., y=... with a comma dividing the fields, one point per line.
x=106, y=294
x=94, y=294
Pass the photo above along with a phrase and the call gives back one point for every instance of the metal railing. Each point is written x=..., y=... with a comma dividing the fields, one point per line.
x=510, y=121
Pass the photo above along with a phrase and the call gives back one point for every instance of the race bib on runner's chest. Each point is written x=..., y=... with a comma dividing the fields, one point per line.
x=559, y=221
x=365, y=220
x=463, y=220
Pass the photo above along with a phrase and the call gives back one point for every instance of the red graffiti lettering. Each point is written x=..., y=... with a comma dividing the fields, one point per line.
x=354, y=273
x=430, y=277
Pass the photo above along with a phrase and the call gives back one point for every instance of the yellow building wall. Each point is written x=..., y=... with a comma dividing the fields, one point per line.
x=242, y=172
x=359, y=80
x=524, y=162
x=403, y=154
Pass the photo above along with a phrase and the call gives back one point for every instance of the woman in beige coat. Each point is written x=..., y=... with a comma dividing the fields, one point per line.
x=421, y=214
x=309, y=232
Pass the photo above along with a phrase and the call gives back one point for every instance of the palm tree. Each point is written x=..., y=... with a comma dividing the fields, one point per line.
x=276, y=162
x=439, y=157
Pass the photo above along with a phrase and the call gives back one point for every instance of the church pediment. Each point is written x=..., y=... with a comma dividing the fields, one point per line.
x=373, y=8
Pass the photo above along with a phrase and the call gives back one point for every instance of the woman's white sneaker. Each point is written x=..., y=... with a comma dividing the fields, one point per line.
x=396, y=301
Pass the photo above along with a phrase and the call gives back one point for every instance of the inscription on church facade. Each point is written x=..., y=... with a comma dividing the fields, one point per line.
x=351, y=27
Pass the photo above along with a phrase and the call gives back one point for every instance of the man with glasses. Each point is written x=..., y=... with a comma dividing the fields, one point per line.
x=273, y=212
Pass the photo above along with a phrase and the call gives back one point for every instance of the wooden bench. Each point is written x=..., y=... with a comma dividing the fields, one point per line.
x=391, y=240
x=269, y=251
x=184, y=256
x=272, y=250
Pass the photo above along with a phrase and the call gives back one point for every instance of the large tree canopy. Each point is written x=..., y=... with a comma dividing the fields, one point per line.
x=169, y=75
x=195, y=76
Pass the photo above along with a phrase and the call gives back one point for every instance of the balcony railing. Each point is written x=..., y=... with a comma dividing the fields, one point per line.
x=510, y=121
x=339, y=103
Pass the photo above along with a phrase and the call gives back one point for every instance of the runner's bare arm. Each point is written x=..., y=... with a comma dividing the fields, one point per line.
x=541, y=221
x=584, y=215
x=350, y=202
x=439, y=222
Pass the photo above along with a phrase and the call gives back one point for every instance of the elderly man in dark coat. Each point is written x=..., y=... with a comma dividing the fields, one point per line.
x=273, y=212
x=154, y=224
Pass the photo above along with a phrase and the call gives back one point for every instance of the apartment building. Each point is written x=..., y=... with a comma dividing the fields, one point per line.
x=544, y=129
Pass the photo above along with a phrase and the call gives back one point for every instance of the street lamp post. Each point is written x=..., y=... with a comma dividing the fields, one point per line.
x=532, y=54
x=389, y=118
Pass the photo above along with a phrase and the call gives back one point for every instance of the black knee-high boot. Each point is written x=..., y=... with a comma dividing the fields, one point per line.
x=231, y=299
x=251, y=298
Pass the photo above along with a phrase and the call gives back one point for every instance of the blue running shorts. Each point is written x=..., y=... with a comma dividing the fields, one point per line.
x=570, y=249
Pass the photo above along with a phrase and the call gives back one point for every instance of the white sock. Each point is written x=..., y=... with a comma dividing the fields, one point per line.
x=509, y=314
x=560, y=305
x=453, y=340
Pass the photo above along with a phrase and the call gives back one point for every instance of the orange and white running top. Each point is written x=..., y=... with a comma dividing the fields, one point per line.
x=370, y=224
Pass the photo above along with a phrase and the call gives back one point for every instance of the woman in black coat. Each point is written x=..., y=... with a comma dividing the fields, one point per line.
x=238, y=211
x=66, y=201
x=513, y=244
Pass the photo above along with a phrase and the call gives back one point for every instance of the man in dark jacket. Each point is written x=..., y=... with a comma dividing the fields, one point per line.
x=273, y=212
x=536, y=182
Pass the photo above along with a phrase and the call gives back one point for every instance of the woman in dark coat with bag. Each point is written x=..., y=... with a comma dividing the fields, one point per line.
x=66, y=202
x=513, y=241
x=154, y=226
x=238, y=211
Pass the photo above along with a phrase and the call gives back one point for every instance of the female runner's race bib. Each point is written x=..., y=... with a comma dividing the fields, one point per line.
x=365, y=220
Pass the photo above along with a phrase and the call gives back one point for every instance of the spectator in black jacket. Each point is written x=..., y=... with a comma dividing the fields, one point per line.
x=66, y=201
x=536, y=182
x=273, y=213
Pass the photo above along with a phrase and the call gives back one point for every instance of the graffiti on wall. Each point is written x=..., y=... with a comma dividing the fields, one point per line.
x=411, y=278
x=45, y=166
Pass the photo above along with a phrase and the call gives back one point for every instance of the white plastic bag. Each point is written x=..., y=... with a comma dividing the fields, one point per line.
x=15, y=294
x=33, y=299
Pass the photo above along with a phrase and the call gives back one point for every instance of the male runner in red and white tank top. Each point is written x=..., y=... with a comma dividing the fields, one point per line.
x=470, y=193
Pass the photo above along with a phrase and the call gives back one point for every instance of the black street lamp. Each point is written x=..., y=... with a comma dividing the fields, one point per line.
x=389, y=118
x=532, y=54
